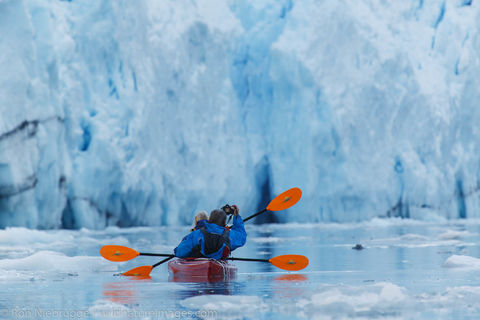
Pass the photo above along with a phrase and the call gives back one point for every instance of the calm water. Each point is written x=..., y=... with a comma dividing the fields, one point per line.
x=401, y=274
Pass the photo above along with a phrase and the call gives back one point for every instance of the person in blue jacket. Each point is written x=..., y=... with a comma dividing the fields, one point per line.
x=214, y=240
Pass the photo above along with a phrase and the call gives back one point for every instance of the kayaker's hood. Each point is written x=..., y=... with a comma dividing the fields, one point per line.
x=201, y=223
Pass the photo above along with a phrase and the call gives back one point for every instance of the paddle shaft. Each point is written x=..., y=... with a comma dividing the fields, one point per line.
x=155, y=254
x=164, y=260
x=254, y=215
x=170, y=256
x=248, y=259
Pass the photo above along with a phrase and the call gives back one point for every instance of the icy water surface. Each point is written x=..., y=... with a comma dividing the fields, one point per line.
x=408, y=270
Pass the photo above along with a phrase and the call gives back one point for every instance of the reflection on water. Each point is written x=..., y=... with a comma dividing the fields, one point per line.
x=193, y=289
x=124, y=292
x=199, y=279
x=292, y=277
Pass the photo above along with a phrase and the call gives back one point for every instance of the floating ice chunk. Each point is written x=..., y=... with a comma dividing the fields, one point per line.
x=20, y=242
x=381, y=298
x=15, y=236
x=466, y=262
x=228, y=307
x=386, y=301
x=453, y=235
x=277, y=239
x=391, y=292
x=463, y=298
x=56, y=261
x=413, y=237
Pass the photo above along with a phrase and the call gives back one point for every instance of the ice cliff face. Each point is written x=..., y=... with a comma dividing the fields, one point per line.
x=143, y=112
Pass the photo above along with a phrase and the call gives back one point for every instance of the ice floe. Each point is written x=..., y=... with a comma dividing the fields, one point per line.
x=464, y=262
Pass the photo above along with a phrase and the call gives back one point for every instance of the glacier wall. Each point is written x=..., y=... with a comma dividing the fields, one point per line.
x=144, y=112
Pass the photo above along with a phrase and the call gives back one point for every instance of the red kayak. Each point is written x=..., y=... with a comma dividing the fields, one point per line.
x=201, y=269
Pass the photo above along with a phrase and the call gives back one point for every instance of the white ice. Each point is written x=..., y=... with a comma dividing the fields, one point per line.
x=144, y=112
x=462, y=262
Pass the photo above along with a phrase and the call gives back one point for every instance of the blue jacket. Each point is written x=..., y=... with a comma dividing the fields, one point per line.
x=237, y=235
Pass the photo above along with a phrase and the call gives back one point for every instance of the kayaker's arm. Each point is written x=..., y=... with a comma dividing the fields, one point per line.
x=184, y=249
x=238, y=235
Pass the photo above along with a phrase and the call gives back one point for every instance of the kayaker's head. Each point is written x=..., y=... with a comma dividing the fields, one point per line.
x=202, y=215
x=218, y=216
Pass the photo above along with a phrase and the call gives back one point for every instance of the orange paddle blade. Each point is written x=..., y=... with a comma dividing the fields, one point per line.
x=143, y=271
x=118, y=253
x=290, y=262
x=285, y=200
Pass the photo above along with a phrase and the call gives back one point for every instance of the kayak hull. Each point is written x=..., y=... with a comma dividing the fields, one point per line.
x=201, y=269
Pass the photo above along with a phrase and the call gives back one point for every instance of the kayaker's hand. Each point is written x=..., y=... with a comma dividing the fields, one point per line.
x=235, y=210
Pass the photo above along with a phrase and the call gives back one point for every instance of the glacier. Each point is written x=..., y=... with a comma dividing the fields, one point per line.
x=143, y=112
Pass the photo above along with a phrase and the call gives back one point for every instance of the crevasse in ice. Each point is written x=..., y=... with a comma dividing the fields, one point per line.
x=143, y=112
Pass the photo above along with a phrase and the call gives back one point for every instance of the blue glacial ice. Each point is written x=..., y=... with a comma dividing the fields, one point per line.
x=143, y=112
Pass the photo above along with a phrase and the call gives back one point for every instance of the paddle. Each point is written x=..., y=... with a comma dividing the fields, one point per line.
x=290, y=262
x=281, y=202
x=121, y=253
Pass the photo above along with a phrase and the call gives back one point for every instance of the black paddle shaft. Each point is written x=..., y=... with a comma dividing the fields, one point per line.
x=248, y=259
x=164, y=260
x=155, y=254
x=170, y=256
x=254, y=215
